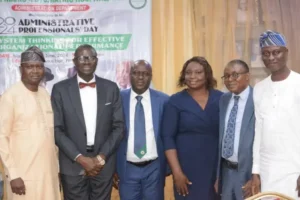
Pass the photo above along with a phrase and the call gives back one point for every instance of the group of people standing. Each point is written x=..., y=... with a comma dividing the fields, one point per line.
x=216, y=145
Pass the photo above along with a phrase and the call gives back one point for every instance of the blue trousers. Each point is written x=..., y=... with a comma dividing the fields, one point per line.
x=142, y=183
x=231, y=185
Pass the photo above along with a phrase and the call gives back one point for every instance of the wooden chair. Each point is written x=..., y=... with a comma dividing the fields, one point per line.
x=275, y=195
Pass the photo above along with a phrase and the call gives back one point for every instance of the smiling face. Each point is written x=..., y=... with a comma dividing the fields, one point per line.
x=140, y=77
x=85, y=61
x=236, y=78
x=195, y=76
x=32, y=73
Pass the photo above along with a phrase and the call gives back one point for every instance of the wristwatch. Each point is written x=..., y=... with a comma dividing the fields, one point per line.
x=101, y=160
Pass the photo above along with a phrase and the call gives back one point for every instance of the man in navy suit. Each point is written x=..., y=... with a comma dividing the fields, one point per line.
x=141, y=164
x=236, y=132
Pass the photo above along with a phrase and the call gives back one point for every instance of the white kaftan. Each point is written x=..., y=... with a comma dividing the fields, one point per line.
x=276, y=150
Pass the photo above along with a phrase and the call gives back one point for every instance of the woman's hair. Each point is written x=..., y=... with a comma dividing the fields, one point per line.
x=211, y=82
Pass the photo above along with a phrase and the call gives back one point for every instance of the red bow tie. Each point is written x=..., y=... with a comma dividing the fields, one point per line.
x=82, y=85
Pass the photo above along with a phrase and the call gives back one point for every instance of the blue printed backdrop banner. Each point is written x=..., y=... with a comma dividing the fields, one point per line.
x=120, y=31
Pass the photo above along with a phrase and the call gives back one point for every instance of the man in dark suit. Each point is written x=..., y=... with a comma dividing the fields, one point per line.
x=89, y=126
x=141, y=164
x=236, y=132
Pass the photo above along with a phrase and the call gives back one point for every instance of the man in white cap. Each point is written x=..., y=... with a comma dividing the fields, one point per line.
x=27, y=146
x=276, y=150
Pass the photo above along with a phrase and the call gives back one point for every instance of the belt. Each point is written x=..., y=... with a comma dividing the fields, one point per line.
x=229, y=164
x=141, y=164
x=90, y=149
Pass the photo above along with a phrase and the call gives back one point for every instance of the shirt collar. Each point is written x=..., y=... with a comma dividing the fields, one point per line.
x=145, y=95
x=244, y=94
x=83, y=81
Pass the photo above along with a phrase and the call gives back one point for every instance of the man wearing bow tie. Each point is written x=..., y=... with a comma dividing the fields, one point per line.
x=89, y=126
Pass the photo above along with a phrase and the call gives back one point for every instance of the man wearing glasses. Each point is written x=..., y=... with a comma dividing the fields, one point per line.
x=236, y=132
x=141, y=163
x=89, y=125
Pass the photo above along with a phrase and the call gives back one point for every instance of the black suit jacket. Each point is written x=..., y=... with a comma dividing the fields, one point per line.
x=69, y=125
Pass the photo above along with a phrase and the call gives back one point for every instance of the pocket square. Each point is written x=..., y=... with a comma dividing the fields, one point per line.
x=107, y=104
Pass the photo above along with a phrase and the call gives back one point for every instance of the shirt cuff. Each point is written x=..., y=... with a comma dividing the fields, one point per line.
x=13, y=173
x=77, y=156
x=255, y=169
x=101, y=153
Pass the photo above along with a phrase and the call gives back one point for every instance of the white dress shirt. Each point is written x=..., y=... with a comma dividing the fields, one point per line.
x=150, y=137
x=276, y=147
x=88, y=96
x=238, y=123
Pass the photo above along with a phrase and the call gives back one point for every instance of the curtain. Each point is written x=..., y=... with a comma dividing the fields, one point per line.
x=220, y=30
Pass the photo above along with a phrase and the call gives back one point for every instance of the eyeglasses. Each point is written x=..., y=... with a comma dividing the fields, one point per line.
x=234, y=76
x=139, y=73
x=82, y=59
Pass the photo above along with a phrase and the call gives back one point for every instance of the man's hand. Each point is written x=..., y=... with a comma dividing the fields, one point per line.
x=216, y=186
x=247, y=189
x=116, y=181
x=255, y=186
x=181, y=183
x=298, y=186
x=18, y=186
x=87, y=163
x=98, y=168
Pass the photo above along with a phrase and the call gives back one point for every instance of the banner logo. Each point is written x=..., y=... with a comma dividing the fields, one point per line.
x=137, y=4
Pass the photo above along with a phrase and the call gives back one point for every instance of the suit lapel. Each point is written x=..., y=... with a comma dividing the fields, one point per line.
x=155, y=111
x=101, y=97
x=223, y=114
x=126, y=103
x=76, y=100
x=248, y=113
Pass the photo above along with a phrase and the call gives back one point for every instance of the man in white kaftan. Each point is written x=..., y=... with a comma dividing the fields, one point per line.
x=276, y=150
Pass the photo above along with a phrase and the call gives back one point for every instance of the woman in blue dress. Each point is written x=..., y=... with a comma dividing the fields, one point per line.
x=190, y=131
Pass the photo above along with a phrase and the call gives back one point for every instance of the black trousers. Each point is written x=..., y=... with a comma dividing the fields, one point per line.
x=90, y=188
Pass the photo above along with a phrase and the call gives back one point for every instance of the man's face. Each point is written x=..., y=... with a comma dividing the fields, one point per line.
x=274, y=57
x=236, y=79
x=86, y=62
x=195, y=76
x=122, y=74
x=32, y=72
x=140, y=78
